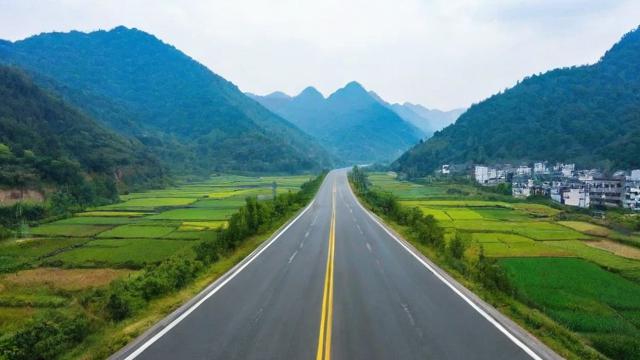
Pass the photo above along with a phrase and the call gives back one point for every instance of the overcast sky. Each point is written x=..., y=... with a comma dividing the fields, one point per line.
x=439, y=53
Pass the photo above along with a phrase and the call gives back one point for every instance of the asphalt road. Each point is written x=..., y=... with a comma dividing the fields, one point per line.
x=334, y=283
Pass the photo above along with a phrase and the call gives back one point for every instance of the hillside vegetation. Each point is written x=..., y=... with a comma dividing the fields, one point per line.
x=45, y=143
x=589, y=115
x=148, y=90
x=351, y=122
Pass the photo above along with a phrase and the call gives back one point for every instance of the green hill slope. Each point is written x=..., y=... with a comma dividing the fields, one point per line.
x=587, y=114
x=142, y=87
x=45, y=143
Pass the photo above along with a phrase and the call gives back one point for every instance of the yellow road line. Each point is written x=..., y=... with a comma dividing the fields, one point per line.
x=326, y=319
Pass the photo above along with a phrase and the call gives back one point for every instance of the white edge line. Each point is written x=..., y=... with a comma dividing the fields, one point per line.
x=176, y=321
x=484, y=314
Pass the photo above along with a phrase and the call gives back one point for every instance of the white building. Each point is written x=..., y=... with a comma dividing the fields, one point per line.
x=635, y=175
x=568, y=169
x=523, y=171
x=540, y=168
x=482, y=174
x=445, y=169
x=521, y=189
x=576, y=197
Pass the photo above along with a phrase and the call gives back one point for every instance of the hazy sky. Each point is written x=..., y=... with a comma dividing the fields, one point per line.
x=440, y=53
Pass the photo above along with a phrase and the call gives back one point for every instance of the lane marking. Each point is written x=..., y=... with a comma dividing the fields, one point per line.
x=369, y=247
x=306, y=235
x=293, y=256
x=481, y=311
x=177, y=320
x=326, y=317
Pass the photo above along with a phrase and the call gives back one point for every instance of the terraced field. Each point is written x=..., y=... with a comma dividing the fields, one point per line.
x=584, y=276
x=109, y=242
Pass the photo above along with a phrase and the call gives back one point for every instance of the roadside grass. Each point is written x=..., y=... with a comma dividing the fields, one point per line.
x=129, y=253
x=584, y=298
x=78, y=230
x=137, y=231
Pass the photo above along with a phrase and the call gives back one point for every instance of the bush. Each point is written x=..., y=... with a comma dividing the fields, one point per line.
x=458, y=245
x=45, y=337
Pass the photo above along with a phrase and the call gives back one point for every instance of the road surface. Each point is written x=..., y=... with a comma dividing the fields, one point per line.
x=334, y=284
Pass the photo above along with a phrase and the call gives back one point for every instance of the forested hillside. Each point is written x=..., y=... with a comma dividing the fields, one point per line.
x=47, y=145
x=351, y=123
x=143, y=88
x=586, y=114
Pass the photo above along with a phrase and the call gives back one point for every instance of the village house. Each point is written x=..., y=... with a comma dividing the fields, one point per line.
x=606, y=191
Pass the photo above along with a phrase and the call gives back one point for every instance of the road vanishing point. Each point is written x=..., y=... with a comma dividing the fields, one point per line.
x=335, y=283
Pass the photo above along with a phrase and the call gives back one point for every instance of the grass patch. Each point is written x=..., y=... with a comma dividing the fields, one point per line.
x=584, y=298
x=92, y=220
x=138, y=231
x=65, y=279
x=195, y=214
x=132, y=253
x=151, y=202
x=112, y=213
x=79, y=230
x=586, y=228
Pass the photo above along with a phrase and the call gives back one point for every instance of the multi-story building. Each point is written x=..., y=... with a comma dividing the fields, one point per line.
x=523, y=170
x=482, y=174
x=445, y=169
x=521, y=187
x=540, y=168
x=576, y=197
x=606, y=191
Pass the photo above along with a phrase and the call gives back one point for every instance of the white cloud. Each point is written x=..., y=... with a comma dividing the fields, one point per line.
x=441, y=53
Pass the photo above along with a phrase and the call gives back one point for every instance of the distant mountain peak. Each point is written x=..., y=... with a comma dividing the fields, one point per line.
x=278, y=95
x=310, y=91
x=352, y=92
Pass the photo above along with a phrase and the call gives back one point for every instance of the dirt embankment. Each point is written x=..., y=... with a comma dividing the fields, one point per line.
x=12, y=196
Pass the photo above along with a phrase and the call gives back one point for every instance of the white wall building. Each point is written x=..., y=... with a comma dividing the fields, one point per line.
x=540, y=168
x=482, y=174
x=445, y=169
x=635, y=175
x=576, y=197
x=568, y=169
x=523, y=171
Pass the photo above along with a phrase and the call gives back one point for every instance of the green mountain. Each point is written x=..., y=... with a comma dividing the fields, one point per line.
x=144, y=88
x=589, y=115
x=45, y=144
x=351, y=123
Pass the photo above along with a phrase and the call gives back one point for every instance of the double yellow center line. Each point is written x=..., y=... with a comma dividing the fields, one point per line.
x=324, y=337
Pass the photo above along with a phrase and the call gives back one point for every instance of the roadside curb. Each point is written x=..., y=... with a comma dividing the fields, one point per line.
x=147, y=335
x=537, y=346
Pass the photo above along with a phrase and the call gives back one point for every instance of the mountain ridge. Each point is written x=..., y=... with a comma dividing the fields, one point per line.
x=191, y=116
x=586, y=114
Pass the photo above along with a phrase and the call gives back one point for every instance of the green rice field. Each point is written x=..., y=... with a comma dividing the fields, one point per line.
x=588, y=290
x=144, y=227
